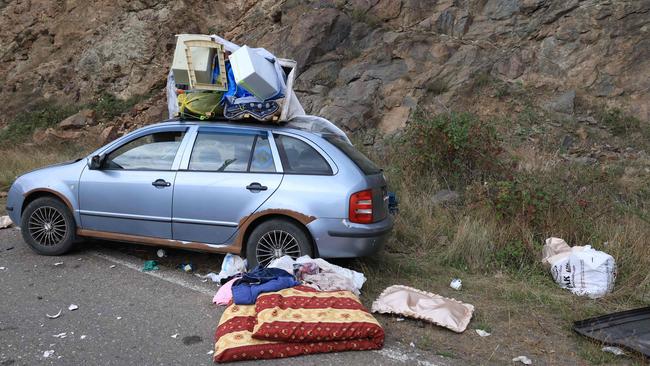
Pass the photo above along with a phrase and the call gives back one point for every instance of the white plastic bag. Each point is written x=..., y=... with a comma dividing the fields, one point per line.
x=232, y=265
x=285, y=262
x=585, y=272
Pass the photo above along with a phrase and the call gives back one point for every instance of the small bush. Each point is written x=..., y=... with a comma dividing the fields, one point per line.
x=437, y=86
x=43, y=115
x=453, y=145
x=619, y=123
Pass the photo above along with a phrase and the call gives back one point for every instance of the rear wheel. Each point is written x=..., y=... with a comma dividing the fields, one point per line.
x=48, y=226
x=276, y=238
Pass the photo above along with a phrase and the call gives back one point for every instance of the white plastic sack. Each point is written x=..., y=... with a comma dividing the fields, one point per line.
x=357, y=277
x=172, y=98
x=232, y=265
x=5, y=222
x=585, y=272
x=285, y=262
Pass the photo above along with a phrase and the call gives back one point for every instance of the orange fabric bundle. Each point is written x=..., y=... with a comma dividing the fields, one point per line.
x=296, y=321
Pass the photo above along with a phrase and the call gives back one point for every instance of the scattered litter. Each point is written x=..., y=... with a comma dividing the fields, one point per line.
x=210, y=352
x=210, y=276
x=483, y=333
x=400, y=319
x=118, y=318
x=5, y=222
x=10, y=248
x=49, y=353
x=78, y=259
x=83, y=336
x=582, y=270
x=150, y=266
x=3, y=268
x=615, y=350
x=58, y=264
x=410, y=302
x=175, y=335
x=456, y=284
x=161, y=253
x=73, y=307
x=111, y=266
x=412, y=344
x=61, y=335
x=186, y=267
x=523, y=359
x=55, y=315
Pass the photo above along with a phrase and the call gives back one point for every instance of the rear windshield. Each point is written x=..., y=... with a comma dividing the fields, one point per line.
x=365, y=164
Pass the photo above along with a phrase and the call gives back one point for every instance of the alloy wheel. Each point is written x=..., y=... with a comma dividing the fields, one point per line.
x=47, y=226
x=275, y=244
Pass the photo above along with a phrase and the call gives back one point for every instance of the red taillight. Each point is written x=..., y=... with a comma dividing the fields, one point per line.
x=361, y=207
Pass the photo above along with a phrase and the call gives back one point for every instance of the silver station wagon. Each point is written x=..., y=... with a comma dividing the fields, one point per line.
x=260, y=191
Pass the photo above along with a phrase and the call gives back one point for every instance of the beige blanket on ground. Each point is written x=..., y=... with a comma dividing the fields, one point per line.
x=414, y=303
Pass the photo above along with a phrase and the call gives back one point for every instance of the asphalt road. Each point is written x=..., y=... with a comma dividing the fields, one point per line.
x=124, y=316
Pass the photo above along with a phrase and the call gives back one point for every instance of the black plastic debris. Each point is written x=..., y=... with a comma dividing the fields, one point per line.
x=630, y=329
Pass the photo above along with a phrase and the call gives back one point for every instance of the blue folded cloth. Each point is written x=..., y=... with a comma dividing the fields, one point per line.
x=246, y=294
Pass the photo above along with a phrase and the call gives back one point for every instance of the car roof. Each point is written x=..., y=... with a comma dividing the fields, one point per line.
x=225, y=122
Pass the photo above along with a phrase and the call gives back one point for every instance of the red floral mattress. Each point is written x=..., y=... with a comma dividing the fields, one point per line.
x=296, y=321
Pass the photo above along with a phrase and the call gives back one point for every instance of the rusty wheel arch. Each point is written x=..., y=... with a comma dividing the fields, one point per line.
x=35, y=194
x=249, y=223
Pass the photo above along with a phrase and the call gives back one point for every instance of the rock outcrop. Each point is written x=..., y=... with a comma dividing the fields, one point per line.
x=363, y=63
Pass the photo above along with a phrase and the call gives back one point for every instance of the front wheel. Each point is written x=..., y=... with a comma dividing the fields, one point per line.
x=48, y=226
x=276, y=238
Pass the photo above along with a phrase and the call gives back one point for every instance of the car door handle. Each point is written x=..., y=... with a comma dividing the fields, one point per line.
x=160, y=183
x=256, y=187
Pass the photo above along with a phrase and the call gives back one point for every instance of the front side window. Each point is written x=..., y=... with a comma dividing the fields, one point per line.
x=150, y=152
x=222, y=152
x=300, y=158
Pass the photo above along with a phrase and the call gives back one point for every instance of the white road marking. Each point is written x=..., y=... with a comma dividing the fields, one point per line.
x=160, y=275
x=397, y=355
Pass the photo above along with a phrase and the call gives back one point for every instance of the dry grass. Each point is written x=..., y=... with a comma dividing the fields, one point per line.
x=23, y=158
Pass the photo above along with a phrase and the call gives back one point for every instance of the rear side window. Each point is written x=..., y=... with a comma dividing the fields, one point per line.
x=300, y=158
x=221, y=152
x=366, y=165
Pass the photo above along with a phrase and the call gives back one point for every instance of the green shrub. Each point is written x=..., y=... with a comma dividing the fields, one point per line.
x=456, y=146
x=43, y=115
x=619, y=123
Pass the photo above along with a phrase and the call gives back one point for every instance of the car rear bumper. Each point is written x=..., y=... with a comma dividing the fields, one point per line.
x=339, y=238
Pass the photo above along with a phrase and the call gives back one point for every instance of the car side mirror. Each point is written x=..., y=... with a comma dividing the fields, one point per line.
x=96, y=162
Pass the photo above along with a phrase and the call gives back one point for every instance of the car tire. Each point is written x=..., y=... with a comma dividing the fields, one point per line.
x=48, y=227
x=274, y=238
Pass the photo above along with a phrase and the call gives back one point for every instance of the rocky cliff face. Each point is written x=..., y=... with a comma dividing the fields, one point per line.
x=363, y=63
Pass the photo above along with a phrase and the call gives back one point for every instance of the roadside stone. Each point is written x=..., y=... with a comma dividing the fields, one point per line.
x=82, y=118
x=562, y=104
x=445, y=196
x=587, y=119
x=63, y=134
x=108, y=134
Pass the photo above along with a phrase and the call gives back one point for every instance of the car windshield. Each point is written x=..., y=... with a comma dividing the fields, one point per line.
x=366, y=165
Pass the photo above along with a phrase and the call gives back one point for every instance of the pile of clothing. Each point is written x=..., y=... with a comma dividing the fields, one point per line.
x=293, y=307
x=243, y=287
